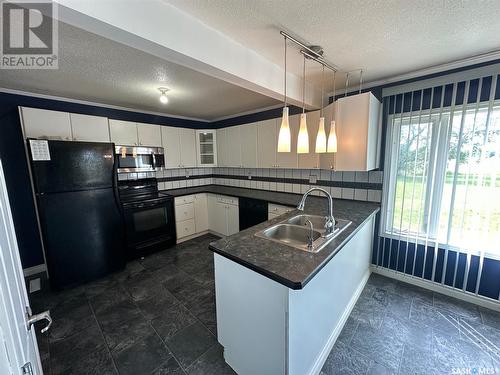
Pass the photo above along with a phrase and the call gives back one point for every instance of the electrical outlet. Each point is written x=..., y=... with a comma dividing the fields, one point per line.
x=249, y=176
x=35, y=285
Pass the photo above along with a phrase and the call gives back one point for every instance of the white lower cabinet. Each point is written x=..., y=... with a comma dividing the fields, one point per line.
x=201, y=212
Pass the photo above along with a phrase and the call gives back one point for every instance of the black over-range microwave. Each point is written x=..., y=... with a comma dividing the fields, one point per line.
x=139, y=158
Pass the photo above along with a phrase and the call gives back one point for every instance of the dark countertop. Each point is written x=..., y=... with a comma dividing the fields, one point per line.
x=289, y=266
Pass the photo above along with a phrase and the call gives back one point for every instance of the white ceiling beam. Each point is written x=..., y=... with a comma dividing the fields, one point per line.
x=164, y=31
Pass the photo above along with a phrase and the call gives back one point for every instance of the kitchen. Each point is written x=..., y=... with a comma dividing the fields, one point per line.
x=284, y=211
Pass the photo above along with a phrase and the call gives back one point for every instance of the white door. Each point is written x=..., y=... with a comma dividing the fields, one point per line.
x=89, y=128
x=123, y=133
x=267, y=144
x=232, y=219
x=222, y=148
x=149, y=135
x=42, y=123
x=171, y=146
x=188, y=147
x=233, y=146
x=249, y=145
x=18, y=346
x=201, y=212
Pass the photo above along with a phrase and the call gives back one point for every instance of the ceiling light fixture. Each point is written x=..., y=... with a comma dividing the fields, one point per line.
x=321, y=136
x=332, y=137
x=303, y=138
x=163, y=95
x=284, y=136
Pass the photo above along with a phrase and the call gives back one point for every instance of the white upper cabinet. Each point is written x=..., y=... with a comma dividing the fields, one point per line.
x=123, y=132
x=206, y=147
x=179, y=146
x=357, y=132
x=267, y=143
x=233, y=146
x=171, y=146
x=288, y=159
x=89, y=128
x=187, y=141
x=42, y=123
x=311, y=159
x=248, y=136
x=149, y=135
x=222, y=160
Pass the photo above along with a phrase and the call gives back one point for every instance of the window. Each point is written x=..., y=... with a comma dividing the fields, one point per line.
x=444, y=173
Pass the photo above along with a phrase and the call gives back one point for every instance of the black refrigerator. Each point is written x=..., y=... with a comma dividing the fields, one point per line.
x=78, y=207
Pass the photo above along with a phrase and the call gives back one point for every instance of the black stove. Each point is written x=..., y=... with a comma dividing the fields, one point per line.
x=149, y=217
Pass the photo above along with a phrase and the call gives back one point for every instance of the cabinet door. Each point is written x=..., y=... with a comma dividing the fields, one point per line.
x=201, y=212
x=221, y=148
x=171, y=146
x=41, y=123
x=149, y=135
x=248, y=134
x=188, y=147
x=89, y=128
x=357, y=132
x=206, y=148
x=233, y=146
x=123, y=132
x=211, y=209
x=289, y=159
x=266, y=144
x=219, y=218
x=232, y=219
x=311, y=159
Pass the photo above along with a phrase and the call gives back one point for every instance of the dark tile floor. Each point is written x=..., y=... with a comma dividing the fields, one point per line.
x=155, y=317
x=397, y=328
x=158, y=317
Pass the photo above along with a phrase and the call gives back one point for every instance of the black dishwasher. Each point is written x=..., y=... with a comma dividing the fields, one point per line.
x=252, y=212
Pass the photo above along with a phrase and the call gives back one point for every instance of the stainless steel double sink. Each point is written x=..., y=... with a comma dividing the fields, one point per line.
x=296, y=231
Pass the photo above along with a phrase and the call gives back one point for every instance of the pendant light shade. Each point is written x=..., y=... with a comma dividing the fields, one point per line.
x=332, y=138
x=321, y=137
x=284, y=137
x=303, y=139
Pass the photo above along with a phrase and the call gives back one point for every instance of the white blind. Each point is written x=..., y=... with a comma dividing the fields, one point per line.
x=442, y=185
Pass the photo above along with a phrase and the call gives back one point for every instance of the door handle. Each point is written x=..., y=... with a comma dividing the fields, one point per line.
x=32, y=319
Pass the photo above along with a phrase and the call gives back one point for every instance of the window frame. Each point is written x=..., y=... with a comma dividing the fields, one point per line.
x=439, y=153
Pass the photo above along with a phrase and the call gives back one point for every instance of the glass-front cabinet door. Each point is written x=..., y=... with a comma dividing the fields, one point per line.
x=207, y=148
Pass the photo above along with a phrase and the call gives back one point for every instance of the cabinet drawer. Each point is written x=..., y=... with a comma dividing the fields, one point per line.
x=278, y=209
x=185, y=228
x=184, y=212
x=227, y=200
x=184, y=200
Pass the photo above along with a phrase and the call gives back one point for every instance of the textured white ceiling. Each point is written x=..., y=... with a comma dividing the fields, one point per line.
x=96, y=69
x=384, y=37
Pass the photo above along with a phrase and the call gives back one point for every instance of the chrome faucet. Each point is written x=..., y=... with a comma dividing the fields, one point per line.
x=330, y=221
x=310, y=238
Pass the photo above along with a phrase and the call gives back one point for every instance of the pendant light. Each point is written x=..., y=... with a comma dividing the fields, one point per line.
x=332, y=137
x=303, y=138
x=284, y=136
x=321, y=136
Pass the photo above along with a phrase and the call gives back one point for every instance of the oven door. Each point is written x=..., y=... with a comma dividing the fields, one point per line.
x=150, y=227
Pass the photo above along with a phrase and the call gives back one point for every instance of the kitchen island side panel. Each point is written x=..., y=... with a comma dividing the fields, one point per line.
x=251, y=319
x=318, y=312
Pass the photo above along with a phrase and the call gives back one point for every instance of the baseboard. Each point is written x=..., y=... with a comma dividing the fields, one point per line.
x=439, y=288
x=323, y=355
x=34, y=270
